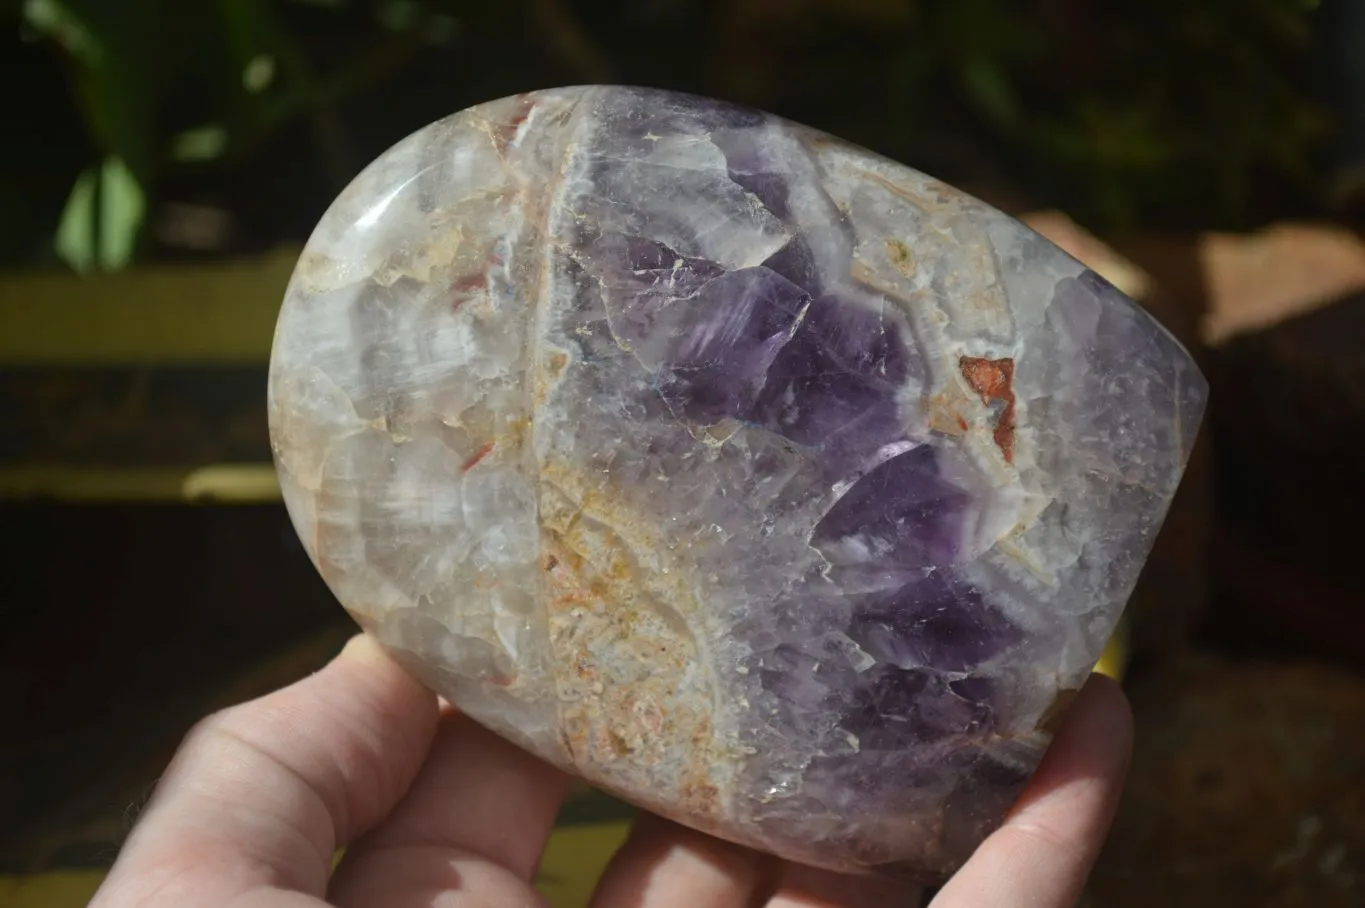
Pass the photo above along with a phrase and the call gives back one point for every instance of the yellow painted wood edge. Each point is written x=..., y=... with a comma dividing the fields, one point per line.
x=574, y=860
x=220, y=483
x=53, y=889
x=1114, y=660
x=165, y=314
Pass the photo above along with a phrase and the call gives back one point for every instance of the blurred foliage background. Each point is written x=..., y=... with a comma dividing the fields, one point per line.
x=162, y=129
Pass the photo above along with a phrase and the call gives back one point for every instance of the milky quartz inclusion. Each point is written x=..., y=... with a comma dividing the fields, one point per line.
x=761, y=481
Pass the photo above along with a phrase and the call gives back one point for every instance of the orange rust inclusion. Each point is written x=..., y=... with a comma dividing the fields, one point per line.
x=993, y=379
x=477, y=456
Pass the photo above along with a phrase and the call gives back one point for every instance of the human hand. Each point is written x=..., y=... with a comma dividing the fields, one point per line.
x=437, y=812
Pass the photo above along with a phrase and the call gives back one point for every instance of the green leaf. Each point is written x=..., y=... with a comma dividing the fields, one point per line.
x=124, y=56
x=103, y=216
x=53, y=19
x=197, y=145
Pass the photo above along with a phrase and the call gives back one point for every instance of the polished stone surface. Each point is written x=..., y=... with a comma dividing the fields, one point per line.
x=759, y=480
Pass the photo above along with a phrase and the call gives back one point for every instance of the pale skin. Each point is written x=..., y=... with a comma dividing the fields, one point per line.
x=435, y=812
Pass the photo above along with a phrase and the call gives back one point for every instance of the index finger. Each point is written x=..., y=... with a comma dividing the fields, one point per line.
x=261, y=795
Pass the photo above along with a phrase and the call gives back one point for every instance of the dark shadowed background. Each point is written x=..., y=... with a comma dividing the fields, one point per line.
x=163, y=161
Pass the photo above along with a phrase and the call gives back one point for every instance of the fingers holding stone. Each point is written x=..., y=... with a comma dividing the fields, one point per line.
x=478, y=815
x=260, y=796
x=664, y=865
x=806, y=887
x=1043, y=853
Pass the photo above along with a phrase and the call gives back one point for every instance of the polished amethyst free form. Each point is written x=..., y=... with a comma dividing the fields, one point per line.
x=761, y=481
